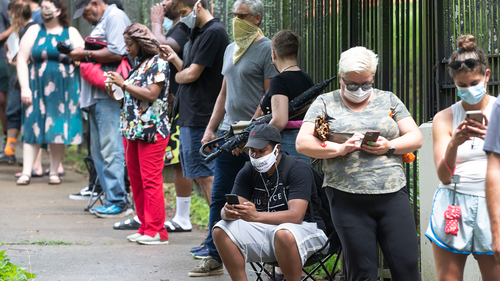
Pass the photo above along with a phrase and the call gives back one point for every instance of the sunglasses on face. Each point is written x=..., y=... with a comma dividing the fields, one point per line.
x=354, y=87
x=240, y=16
x=470, y=63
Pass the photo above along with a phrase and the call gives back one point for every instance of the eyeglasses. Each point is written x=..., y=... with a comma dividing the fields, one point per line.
x=240, y=16
x=470, y=63
x=354, y=87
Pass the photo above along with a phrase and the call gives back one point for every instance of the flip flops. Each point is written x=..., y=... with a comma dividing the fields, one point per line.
x=54, y=179
x=130, y=224
x=24, y=182
x=172, y=226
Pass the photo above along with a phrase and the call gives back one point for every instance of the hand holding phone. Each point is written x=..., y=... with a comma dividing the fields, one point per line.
x=370, y=137
x=232, y=199
x=476, y=115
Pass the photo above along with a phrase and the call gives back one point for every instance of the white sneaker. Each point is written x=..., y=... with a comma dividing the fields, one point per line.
x=148, y=240
x=133, y=237
x=84, y=194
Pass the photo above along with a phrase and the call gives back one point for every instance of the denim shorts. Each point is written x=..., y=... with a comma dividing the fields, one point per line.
x=193, y=166
x=474, y=232
x=288, y=138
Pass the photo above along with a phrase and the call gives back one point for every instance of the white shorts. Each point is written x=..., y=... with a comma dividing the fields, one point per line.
x=256, y=240
x=474, y=232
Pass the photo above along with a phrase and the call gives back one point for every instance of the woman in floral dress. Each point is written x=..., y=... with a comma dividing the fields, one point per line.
x=49, y=89
x=144, y=125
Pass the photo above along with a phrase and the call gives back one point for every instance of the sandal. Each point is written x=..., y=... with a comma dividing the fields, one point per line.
x=26, y=182
x=33, y=174
x=47, y=172
x=172, y=226
x=56, y=181
x=130, y=224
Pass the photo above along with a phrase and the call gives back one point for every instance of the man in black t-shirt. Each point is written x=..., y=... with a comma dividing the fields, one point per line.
x=200, y=81
x=273, y=213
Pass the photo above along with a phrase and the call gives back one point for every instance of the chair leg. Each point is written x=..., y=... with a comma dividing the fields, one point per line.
x=91, y=203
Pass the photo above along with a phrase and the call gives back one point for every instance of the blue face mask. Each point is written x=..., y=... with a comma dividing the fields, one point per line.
x=472, y=95
x=167, y=23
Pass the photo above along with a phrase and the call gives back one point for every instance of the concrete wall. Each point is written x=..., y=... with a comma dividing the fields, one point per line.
x=428, y=182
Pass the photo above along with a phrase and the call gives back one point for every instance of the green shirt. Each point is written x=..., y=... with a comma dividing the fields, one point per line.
x=358, y=171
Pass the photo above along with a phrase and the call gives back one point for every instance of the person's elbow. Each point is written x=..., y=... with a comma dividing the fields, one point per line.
x=300, y=144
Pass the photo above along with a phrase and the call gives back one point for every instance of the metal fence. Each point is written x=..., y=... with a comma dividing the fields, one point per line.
x=413, y=39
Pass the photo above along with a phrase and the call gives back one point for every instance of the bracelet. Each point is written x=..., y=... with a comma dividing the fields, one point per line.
x=86, y=56
x=90, y=55
x=158, y=22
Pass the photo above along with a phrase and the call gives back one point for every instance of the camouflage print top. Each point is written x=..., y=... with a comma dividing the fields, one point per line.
x=361, y=172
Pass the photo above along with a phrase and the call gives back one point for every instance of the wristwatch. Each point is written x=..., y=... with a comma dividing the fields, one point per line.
x=391, y=150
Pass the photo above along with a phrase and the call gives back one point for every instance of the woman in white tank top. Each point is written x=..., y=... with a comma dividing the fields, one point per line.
x=458, y=149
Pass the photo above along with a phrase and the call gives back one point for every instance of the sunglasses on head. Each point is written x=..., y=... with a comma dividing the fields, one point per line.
x=354, y=87
x=470, y=63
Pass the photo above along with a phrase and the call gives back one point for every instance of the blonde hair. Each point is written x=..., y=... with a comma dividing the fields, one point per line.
x=359, y=60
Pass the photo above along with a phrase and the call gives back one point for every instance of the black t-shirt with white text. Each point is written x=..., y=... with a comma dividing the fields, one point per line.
x=268, y=193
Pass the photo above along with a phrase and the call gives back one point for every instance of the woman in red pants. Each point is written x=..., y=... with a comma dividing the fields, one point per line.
x=144, y=125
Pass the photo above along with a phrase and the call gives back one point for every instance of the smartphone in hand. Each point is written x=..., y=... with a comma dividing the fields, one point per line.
x=232, y=199
x=476, y=115
x=370, y=137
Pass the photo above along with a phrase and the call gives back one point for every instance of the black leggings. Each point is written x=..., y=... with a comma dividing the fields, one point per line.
x=362, y=220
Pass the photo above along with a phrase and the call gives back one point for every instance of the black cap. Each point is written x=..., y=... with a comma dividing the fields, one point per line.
x=261, y=135
x=80, y=7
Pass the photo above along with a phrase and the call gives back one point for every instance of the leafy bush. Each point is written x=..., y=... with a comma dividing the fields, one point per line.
x=200, y=210
x=10, y=272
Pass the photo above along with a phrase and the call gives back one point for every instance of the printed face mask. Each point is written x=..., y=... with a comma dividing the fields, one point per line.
x=48, y=15
x=472, y=95
x=358, y=95
x=264, y=163
x=190, y=20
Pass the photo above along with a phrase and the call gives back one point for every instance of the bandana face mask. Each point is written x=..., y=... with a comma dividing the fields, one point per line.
x=244, y=32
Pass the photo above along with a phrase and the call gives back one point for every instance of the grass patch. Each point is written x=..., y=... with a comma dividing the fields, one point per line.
x=199, y=208
x=329, y=265
x=9, y=271
x=74, y=157
x=41, y=242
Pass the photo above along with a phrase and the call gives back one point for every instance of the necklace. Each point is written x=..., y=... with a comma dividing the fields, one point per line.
x=288, y=67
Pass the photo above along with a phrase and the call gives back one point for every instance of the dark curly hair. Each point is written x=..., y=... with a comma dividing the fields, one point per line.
x=63, y=17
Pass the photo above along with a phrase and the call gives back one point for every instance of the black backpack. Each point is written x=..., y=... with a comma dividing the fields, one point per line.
x=320, y=203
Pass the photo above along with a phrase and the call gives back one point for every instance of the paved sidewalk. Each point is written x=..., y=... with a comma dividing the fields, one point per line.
x=42, y=212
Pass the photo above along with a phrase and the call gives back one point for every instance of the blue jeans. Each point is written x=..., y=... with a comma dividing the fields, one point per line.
x=227, y=167
x=106, y=148
x=288, y=138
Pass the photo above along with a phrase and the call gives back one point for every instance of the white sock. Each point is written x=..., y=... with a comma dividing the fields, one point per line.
x=182, y=212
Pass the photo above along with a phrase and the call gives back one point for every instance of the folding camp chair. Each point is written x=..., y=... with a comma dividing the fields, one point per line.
x=93, y=183
x=318, y=257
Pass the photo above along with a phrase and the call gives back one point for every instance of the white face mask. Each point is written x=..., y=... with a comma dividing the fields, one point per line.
x=264, y=163
x=190, y=20
x=357, y=96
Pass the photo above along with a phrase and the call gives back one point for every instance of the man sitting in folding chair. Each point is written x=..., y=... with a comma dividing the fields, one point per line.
x=279, y=226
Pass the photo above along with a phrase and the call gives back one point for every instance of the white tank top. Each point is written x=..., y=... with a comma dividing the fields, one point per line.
x=471, y=159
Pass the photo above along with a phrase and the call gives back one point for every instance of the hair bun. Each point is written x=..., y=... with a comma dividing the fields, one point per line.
x=466, y=43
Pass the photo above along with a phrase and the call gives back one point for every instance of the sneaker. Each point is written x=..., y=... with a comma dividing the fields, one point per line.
x=84, y=194
x=197, y=248
x=114, y=211
x=207, y=267
x=9, y=159
x=133, y=237
x=201, y=254
x=100, y=209
x=148, y=240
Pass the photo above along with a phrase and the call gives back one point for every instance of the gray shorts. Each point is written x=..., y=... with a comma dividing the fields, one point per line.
x=256, y=240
